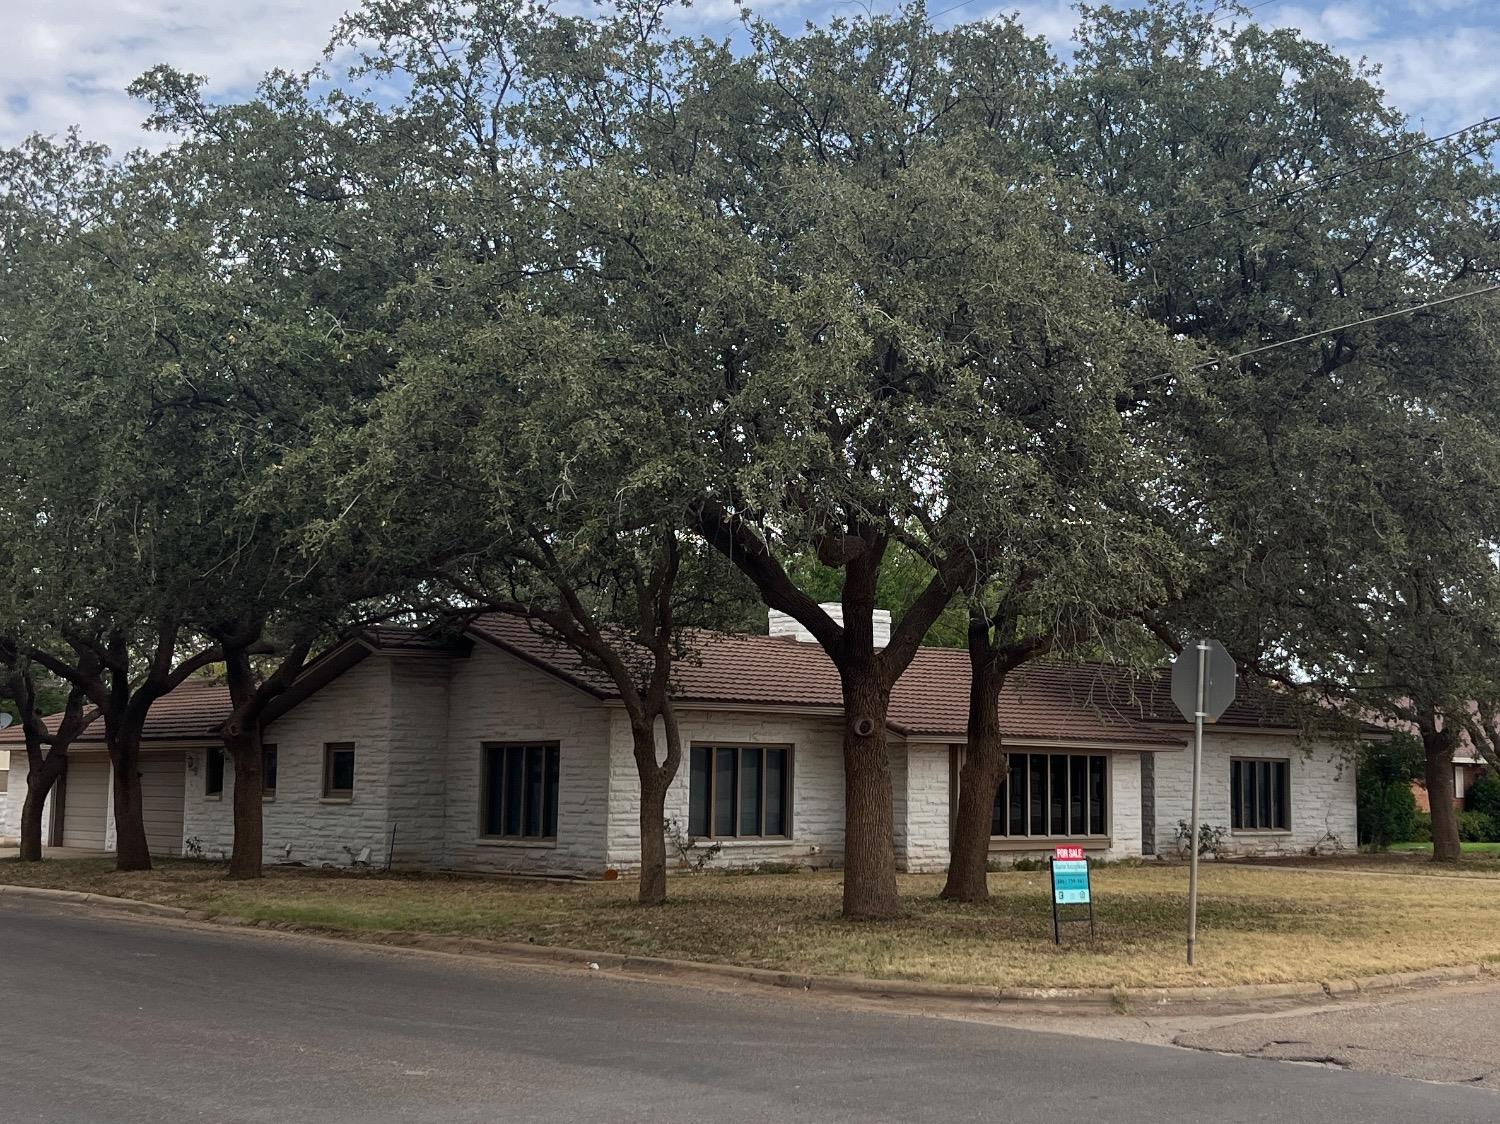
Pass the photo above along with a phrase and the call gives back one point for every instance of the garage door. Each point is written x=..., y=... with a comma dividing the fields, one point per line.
x=86, y=804
x=161, y=802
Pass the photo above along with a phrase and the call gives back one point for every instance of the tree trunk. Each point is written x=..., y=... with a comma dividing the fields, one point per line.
x=1439, y=750
x=653, y=888
x=132, y=851
x=243, y=747
x=979, y=779
x=40, y=781
x=869, y=810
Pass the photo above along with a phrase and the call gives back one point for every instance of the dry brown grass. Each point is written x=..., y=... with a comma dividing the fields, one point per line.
x=1256, y=926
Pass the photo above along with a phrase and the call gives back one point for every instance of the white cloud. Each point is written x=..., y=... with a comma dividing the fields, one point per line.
x=1435, y=56
x=67, y=62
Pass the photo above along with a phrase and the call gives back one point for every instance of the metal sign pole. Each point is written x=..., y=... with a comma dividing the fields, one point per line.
x=1056, y=921
x=1198, y=716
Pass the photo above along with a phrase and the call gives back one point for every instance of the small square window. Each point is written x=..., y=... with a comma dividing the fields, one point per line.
x=268, y=772
x=338, y=771
x=213, y=774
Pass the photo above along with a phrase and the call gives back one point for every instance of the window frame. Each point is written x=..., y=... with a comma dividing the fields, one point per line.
x=486, y=750
x=1106, y=796
x=1285, y=790
x=211, y=755
x=788, y=786
x=340, y=795
x=268, y=754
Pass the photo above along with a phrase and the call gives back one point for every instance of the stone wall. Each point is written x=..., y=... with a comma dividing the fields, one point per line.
x=927, y=808
x=417, y=766
x=817, y=787
x=300, y=825
x=494, y=697
x=1322, y=794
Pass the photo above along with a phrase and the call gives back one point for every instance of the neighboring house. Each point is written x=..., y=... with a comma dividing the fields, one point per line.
x=500, y=751
x=1467, y=767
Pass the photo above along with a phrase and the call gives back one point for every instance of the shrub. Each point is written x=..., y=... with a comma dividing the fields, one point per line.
x=1211, y=838
x=1475, y=827
x=1484, y=795
x=1387, y=807
x=1421, y=828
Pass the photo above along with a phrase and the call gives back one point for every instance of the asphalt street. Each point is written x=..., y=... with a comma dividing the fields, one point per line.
x=122, y=1020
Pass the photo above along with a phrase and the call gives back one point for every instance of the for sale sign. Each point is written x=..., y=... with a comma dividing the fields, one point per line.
x=1070, y=886
x=1070, y=876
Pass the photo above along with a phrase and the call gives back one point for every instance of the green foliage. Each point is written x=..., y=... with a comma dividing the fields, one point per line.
x=1386, y=804
x=1212, y=838
x=1484, y=795
x=50, y=700
x=1477, y=827
x=1421, y=828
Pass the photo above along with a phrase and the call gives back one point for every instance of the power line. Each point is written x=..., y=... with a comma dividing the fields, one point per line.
x=1352, y=324
x=1284, y=196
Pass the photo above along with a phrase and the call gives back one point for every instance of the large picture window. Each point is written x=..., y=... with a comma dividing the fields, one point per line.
x=739, y=791
x=1260, y=794
x=519, y=790
x=1052, y=795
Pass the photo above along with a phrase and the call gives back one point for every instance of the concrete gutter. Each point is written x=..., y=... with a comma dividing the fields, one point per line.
x=1239, y=999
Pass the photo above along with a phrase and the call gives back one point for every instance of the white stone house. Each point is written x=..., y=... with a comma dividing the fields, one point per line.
x=499, y=751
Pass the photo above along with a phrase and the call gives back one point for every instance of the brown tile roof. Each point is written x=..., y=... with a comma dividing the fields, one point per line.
x=1056, y=701
x=190, y=713
x=194, y=711
x=1073, y=702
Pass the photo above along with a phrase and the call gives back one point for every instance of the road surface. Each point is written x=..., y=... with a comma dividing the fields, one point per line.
x=120, y=1020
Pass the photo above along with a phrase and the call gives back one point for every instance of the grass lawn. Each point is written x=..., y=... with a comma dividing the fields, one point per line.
x=1255, y=925
x=1426, y=848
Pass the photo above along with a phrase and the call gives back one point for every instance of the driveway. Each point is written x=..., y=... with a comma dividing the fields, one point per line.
x=1445, y=1034
x=108, y=1018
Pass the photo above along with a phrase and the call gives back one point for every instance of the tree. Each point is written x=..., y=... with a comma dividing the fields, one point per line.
x=920, y=385
x=1254, y=188
x=46, y=750
x=783, y=247
x=291, y=206
x=502, y=479
x=109, y=553
x=1387, y=806
x=525, y=458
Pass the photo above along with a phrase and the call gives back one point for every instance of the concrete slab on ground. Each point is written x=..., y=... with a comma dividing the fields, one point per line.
x=1442, y=1034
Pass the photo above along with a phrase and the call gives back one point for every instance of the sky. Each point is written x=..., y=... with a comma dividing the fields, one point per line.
x=67, y=62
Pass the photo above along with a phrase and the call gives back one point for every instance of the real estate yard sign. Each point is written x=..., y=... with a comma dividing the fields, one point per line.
x=1070, y=886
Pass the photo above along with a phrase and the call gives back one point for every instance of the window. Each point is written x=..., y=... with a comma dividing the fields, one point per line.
x=4, y=780
x=268, y=772
x=740, y=791
x=1259, y=794
x=338, y=771
x=519, y=792
x=213, y=774
x=1052, y=795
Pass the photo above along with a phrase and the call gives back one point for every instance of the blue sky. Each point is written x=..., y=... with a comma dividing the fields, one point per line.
x=67, y=61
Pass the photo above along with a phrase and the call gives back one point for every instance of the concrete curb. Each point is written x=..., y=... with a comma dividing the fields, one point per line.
x=1238, y=999
x=127, y=905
